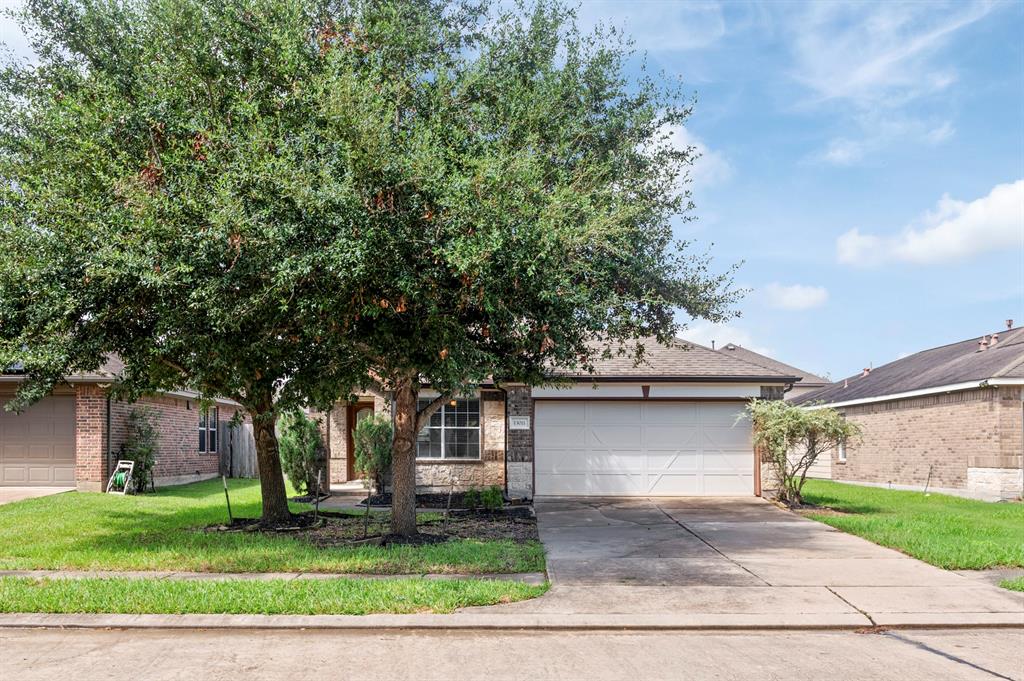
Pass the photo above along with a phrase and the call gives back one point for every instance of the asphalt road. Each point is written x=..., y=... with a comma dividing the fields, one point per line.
x=532, y=656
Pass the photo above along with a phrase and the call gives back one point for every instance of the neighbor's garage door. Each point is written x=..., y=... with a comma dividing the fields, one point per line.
x=37, y=447
x=643, y=449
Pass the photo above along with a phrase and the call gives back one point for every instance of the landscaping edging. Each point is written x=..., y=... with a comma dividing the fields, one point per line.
x=534, y=578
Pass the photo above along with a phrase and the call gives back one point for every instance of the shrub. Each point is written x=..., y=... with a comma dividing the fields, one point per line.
x=471, y=499
x=301, y=450
x=492, y=498
x=793, y=438
x=372, y=442
x=140, y=446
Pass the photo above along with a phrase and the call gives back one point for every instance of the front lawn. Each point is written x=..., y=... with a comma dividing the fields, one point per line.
x=946, y=531
x=274, y=597
x=86, y=531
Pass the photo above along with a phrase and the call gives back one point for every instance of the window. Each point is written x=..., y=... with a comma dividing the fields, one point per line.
x=453, y=431
x=842, y=450
x=208, y=429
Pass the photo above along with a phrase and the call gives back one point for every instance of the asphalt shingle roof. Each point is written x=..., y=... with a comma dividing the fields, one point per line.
x=960, y=362
x=682, y=360
x=806, y=377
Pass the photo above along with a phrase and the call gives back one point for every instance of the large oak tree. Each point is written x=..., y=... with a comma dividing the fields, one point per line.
x=281, y=200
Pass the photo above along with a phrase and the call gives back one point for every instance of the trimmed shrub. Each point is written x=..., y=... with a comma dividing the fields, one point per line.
x=492, y=498
x=301, y=450
x=140, y=446
x=372, y=442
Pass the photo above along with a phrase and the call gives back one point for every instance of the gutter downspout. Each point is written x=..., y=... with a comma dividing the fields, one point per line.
x=110, y=439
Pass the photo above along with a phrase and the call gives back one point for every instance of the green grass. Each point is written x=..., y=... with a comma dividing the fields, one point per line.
x=157, y=532
x=275, y=597
x=1013, y=584
x=946, y=531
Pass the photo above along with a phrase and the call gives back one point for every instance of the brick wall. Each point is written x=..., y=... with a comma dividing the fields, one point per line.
x=520, y=443
x=178, y=459
x=945, y=433
x=90, y=438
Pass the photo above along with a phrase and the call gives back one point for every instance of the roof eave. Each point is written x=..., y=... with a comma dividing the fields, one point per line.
x=993, y=382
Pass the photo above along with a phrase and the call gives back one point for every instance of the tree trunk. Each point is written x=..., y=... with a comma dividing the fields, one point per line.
x=403, y=460
x=268, y=461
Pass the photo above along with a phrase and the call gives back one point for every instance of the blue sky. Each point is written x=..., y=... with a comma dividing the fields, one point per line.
x=864, y=161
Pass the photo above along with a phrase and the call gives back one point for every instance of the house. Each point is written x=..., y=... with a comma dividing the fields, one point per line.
x=808, y=381
x=72, y=436
x=950, y=418
x=822, y=468
x=671, y=426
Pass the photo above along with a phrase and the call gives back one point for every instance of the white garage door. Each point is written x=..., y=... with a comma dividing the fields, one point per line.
x=643, y=449
x=37, y=447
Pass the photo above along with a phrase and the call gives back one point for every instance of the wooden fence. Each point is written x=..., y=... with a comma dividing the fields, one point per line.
x=238, y=450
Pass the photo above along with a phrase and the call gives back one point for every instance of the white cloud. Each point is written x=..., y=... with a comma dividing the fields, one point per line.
x=955, y=230
x=711, y=167
x=878, y=53
x=795, y=296
x=660, y=26
x=878, y=133
x=720, y=334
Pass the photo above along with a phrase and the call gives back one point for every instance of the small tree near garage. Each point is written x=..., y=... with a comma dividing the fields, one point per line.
x=302, y=451
x=793, y=438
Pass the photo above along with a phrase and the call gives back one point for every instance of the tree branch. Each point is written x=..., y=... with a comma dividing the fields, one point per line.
x=423, y=415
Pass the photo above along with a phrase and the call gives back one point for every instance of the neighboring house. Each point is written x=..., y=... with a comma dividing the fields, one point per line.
x=672, y=426
x=951, y=418
x=809, y=382
x=72, y=437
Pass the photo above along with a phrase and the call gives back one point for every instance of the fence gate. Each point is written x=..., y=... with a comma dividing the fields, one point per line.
x=238, y=450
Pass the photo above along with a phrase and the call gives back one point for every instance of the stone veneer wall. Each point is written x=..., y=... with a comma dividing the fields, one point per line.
x=440, y=476
x=970, y=440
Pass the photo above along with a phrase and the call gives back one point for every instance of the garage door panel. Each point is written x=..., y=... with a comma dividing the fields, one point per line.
x=642, y=449
x=37, y=447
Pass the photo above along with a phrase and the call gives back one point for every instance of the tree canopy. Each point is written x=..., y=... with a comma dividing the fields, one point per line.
x=280, y=201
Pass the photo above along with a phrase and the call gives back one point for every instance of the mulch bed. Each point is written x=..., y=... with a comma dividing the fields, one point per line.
x=341, y=529
x=431, y=500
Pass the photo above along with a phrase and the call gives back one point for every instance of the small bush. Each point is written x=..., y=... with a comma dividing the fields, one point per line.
x=492, y=498
x=471, y=499
x=301, y=450
x=140, y=446
x=372, y=442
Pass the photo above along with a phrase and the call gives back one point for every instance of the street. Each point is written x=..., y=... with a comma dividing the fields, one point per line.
x=85, y=654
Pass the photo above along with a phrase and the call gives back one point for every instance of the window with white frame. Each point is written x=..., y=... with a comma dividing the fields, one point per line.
x=453, y=431
x=208, y=429
x=841, y=450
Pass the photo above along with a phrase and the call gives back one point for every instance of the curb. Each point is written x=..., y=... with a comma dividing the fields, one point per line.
x=475, y=622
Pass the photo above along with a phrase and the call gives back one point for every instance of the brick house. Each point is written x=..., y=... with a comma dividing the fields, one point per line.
x=951, y=417
x=71, y=437
x=671, y=426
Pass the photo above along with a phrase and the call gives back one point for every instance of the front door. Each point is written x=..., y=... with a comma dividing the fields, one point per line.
x=356, y=413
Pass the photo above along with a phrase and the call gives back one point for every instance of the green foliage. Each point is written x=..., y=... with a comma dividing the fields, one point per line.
x=472, y=498
x=302, y=450
x=492, y=498
x=140, y=446
x=372, y=443
x=793, y=438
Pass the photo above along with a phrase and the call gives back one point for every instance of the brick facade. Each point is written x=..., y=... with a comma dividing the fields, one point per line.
x=178, y=459
x=951, y=441
x=91, y=468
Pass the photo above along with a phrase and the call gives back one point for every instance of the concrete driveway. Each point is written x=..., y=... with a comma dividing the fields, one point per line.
x=743, y=559
x=12, y=494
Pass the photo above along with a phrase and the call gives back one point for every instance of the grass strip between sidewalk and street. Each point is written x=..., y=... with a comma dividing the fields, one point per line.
x=1013, y=584
x=271, y=597
x=949, y=532
x=163, y=531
